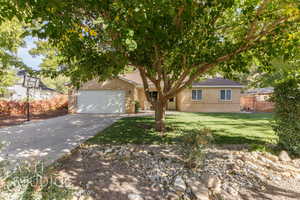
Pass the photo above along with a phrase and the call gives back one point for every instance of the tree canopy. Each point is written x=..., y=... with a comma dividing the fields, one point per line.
x=50, y=65
x=11, y=38
x=171, y=42
x=281, y=71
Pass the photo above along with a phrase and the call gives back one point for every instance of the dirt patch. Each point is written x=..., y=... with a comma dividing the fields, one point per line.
x=6, y=120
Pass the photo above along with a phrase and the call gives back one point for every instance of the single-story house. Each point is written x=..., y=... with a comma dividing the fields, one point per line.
x=119, y=95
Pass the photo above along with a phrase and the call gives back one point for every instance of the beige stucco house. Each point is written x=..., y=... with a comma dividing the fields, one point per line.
x=119, y=96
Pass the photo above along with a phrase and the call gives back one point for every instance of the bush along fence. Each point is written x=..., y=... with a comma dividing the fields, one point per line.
x=287, y=114
x=36, y=106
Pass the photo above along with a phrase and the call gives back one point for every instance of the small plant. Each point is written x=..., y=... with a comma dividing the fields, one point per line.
x=194, y=143
x=258, y=147
x=137, y=106
x=32, y=182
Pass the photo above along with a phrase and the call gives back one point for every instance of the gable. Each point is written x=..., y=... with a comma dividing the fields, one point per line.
x=112, y=84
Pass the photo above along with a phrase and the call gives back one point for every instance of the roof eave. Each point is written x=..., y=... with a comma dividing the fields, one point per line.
x=129, y=81
x=218, y=86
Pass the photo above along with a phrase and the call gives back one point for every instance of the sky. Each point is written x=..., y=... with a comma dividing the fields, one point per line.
x=29, y=60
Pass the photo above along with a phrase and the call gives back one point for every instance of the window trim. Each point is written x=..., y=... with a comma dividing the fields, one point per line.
x=201, y=95
x=225, y=95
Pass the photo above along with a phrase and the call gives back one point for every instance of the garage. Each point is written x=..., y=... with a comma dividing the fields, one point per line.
x=101, y=101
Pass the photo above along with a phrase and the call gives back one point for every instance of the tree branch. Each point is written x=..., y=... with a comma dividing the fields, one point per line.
x=253, y=25
x=206, y=66
x=146, y=85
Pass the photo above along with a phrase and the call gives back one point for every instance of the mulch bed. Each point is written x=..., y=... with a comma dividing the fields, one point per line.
x=6, y=120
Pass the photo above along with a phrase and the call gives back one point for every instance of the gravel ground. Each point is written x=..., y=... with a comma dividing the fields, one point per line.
x=159, y=172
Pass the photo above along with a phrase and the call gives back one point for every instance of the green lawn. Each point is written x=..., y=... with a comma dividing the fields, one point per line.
x=227, y=128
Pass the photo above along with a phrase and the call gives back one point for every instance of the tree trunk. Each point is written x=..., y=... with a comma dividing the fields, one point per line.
x=160, y=112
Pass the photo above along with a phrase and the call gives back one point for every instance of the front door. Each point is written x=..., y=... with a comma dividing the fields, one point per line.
x=172, y=104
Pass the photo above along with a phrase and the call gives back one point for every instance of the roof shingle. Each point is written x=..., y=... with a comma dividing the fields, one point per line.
x=217, y=82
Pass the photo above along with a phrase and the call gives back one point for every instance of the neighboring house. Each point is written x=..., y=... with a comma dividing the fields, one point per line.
x=19, y=92
x=118, y=96
x=257, y=100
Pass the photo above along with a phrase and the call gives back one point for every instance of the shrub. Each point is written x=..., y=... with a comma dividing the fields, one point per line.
x=194, y=143
x=287, y=114
x=32, y=182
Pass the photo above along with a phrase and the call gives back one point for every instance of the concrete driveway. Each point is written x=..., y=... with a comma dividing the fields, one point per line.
x=50, y=139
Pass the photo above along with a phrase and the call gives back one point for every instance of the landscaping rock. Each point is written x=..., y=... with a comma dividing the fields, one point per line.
x=135, y=197
x=232, y=191
x=271, y=157
x=108, y=151
x=199, y=189
x=225, y=174
x=172, y=196
x=179, y=184
x=284, y=156
x=213, y=182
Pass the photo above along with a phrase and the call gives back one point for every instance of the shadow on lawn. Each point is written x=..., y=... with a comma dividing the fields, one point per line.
x=238, y=116
x=140, y=130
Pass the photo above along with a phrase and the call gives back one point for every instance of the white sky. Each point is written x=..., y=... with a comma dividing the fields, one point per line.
x=30, y=61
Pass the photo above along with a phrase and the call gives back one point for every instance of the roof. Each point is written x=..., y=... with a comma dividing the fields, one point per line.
x=266, y=90
x=21, y=73
x=217, y=82
x=135, y=78
x=44, y=87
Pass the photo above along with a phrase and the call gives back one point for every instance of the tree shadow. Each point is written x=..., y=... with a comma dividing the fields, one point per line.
x=270, y=192
x=140, y=130
x=108, y=178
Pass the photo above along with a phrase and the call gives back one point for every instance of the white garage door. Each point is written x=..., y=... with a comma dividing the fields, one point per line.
x=101, y=101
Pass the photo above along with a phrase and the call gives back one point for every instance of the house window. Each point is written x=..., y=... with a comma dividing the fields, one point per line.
x=196, y=95
x=225, y=95
x=153, y=95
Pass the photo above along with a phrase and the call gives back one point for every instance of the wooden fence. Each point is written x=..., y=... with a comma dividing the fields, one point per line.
x=256, y=103
x=36, y=107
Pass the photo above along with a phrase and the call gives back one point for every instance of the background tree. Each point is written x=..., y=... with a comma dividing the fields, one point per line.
x=170, y=42
x=11, y=38
x=51, y=64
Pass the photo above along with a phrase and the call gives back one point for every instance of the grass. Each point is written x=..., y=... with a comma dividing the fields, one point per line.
x=228, y=128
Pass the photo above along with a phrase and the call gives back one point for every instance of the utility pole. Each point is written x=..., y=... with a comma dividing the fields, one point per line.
x=28, y=104
x=30, y=82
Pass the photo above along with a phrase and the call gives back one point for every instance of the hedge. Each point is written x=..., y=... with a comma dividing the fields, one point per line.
x=287, y=114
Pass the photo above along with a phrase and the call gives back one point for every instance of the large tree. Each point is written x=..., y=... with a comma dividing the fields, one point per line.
x=170, y=42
